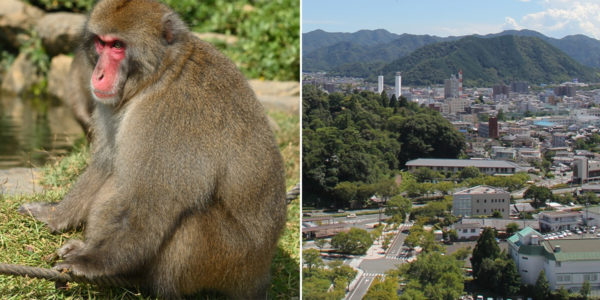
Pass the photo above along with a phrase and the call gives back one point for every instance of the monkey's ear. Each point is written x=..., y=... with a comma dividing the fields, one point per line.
x=173, y=28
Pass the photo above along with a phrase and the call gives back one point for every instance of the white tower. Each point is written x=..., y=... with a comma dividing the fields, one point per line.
x=379, y=84
x=398, y=87
x=460, y=89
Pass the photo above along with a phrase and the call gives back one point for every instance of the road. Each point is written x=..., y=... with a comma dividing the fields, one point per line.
x=396, y=246
x=362, y=287
x=378, y=266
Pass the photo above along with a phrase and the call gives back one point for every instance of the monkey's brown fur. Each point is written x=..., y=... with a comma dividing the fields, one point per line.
x=185, y=188
x=80, y=97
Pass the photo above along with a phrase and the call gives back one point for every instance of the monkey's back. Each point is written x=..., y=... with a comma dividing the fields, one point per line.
x=202, y=142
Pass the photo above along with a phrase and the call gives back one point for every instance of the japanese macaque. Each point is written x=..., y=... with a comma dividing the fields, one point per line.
x=185, y=189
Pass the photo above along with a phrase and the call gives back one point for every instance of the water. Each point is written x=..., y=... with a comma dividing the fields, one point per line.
x=34, y=131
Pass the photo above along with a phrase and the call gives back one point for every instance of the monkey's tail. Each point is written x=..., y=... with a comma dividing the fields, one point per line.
x=293, y=193
x=61, y=278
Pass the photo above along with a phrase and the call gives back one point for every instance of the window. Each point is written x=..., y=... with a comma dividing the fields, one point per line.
x=524, y=257
x=563, y=278
x=472, y=230
x=590, y=277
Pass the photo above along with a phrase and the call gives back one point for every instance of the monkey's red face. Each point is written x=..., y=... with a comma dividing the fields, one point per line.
x=107, y=75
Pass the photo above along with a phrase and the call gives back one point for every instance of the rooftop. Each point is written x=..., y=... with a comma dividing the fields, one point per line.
x=479, y=163
x=481, y=189
x=573, y=249
x=560, y=213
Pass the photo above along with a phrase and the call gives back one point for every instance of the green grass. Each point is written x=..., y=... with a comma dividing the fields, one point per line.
x=28, y=242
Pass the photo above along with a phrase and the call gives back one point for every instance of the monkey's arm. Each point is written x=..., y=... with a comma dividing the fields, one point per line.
x=122, y=234
x=74, y=208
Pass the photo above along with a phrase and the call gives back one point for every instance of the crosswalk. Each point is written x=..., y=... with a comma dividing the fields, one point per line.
x=397, y=258
x=373, y=275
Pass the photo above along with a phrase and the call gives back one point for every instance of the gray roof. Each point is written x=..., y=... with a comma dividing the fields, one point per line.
x=461, y=163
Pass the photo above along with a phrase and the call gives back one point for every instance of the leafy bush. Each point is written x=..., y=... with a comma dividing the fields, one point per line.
x=268, y=32
x=63, y=5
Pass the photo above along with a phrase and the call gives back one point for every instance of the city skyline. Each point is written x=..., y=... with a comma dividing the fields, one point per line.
x=553, y=18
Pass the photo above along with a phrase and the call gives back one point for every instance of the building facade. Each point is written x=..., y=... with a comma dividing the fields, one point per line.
x=568, y=263
x=485, y=166
x=481, y=201
x=558, y=220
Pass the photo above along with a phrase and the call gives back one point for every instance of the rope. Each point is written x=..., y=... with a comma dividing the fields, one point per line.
x=293, y=193
x=57, y=276
x=62, y=277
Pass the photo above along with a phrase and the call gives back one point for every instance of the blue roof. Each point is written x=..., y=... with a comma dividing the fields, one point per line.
x=544, y=123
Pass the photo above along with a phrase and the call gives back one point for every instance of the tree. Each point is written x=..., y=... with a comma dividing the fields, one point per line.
x=385, y=100
x=312, y=258
x=585, y=289
x=320, y=243
x=357, y=241
x=393, y=101
x=486, y=247
x=541, y=290
x=402, y=102
x=500, y=115
x=437, y=276
x=383, y=289
x=426, y=174
x=496, y=214
x=512, y=228
x=562, y=294
x=398, y=207
x=510, y=280
x=469, y=172
x=387, y=240
x=539, y=194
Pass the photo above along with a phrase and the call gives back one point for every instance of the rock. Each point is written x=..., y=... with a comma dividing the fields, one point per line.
x=20, y=181
x=211, y=36
x=60, y=31
x=17, y=19
x=275, y=88
x=282, y=95
x=59, y=75
x=21, y=75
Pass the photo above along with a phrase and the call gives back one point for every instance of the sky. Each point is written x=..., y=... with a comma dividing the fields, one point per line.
x=553, y=18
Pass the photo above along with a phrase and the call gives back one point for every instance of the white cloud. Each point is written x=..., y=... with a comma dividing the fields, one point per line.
x=510, y=23
x=562, y=17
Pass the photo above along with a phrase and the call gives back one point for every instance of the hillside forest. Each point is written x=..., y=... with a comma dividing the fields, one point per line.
x=353, y=142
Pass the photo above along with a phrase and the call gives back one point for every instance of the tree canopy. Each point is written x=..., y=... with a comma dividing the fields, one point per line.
x=353, y=140
x=355, y=241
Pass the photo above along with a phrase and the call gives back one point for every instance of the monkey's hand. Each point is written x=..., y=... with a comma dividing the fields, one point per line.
x=74, y=260
x=44, y=212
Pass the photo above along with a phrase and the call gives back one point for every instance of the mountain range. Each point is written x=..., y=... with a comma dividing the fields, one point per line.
x=525, y=55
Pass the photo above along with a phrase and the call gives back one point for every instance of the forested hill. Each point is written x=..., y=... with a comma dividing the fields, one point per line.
x=353, y=141
x=484, y=61
x=347, y=51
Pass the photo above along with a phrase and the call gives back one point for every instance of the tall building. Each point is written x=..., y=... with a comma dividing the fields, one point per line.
x=520, y=87
x=500, y=91
x=398, y=86
x=379, y=84
x=565, y=90
x=451, y=87
x=460, y=85
x=493, y=127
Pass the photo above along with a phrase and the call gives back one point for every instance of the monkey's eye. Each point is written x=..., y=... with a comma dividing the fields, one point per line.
x=100, y=41
x=118, y=45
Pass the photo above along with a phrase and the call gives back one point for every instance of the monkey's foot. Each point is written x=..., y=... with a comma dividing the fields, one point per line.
x=70, y=249
x=43, y=212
